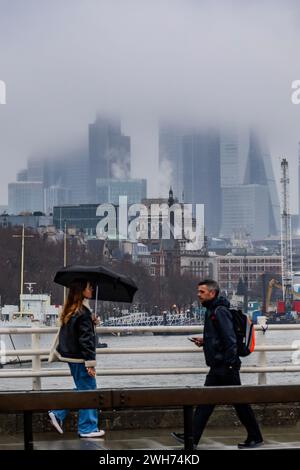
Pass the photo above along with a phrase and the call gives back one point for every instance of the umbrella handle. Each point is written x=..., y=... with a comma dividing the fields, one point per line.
x=96, y=303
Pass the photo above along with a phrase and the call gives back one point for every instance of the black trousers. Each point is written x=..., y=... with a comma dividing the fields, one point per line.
x=219, y=377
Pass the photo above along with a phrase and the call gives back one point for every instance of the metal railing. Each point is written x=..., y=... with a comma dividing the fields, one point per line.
x=37, y=354
x=115, y=399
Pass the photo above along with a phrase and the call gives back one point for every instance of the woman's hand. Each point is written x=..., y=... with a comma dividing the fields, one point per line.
x=96, y=320
x=91, y=371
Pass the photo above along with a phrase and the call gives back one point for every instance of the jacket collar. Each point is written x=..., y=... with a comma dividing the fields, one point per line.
x=86, y=304
x=216, y=302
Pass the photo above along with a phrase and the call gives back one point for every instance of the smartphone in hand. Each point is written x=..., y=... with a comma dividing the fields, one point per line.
x=198, y=341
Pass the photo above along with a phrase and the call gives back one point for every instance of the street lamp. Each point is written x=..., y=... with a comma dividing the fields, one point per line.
x=22, y=236
x=65, y=257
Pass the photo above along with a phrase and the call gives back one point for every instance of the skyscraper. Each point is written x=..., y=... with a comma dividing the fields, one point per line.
x=55, y=196
x=233, y=150
x=245, y=210
x=201, y=176
x=229, y=159
x=246, y=164
x=35, y=169
x=76, y=178
x=22, y=175
x=109, y=152
x=259, y=170
x=25, y=196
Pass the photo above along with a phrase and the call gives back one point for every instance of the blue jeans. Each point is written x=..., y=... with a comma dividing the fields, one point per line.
x=88, y=418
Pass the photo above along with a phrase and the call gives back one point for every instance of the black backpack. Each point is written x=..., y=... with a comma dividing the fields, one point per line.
x=245, y=332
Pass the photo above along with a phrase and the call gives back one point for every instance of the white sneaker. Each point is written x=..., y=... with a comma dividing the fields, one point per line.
x=100, y=433
x=57, y=424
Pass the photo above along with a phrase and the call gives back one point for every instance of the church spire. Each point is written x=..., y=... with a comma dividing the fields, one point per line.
x=171, y=197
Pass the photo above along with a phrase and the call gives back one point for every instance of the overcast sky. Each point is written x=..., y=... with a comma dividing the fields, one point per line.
x=197, y=61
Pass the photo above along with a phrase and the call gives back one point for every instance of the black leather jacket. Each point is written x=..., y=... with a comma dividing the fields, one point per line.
x=77, y=339
x=220, y=345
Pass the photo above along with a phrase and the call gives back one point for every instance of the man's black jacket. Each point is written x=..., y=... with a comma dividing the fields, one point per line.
x=77, y=339
x=220, y=344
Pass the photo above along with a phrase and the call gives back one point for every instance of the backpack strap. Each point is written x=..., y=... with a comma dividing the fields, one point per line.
x=215, y=321
x=219, y=306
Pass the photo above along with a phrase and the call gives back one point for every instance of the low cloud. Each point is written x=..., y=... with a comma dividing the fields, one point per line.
x=196, y=62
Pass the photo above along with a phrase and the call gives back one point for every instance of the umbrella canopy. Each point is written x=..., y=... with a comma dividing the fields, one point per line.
x=111, y=285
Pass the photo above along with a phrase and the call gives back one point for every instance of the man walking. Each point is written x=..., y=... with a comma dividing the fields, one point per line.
x=220, y=350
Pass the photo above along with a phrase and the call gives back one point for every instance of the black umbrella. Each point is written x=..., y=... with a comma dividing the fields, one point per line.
x=111, y=285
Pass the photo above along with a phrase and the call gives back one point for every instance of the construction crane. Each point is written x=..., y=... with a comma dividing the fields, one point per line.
x=273, y=283
x=286, y=240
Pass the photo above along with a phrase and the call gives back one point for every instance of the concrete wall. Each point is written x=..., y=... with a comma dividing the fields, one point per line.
x=223, y=417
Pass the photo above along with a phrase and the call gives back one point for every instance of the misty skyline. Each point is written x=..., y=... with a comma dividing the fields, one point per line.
x=194, y=64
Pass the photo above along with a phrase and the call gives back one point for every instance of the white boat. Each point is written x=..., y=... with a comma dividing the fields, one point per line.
x=36, y=311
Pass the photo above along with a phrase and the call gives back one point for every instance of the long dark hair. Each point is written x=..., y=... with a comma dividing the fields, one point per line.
x=74, y=300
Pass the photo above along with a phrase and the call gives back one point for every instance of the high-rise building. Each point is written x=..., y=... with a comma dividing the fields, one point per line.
x=55, y=196
x=64, y=178
x=25, y=196
x=109, y=190
x=259, y=170
x=22, y=175
x=246, y=162
x=71, y=172
x=201, y=176
x=109, y=152
x=245, y=209
x=76, y=178
x=234, y=145
x=35, y=169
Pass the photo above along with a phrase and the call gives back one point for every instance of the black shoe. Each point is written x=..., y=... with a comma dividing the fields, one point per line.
x=250, y=444
x=178, y=436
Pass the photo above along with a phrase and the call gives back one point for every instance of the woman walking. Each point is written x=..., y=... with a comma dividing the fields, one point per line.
x=77, y=347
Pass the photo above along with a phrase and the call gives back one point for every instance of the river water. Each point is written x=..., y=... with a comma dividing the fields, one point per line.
x=163, y=360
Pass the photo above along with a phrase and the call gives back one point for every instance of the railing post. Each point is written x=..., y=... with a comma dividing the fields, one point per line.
x=262, y=355
x=36, y=361
x=188, y=427
x=28, y=436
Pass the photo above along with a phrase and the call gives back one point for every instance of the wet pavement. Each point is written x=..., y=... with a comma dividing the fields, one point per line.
x=282, y=437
